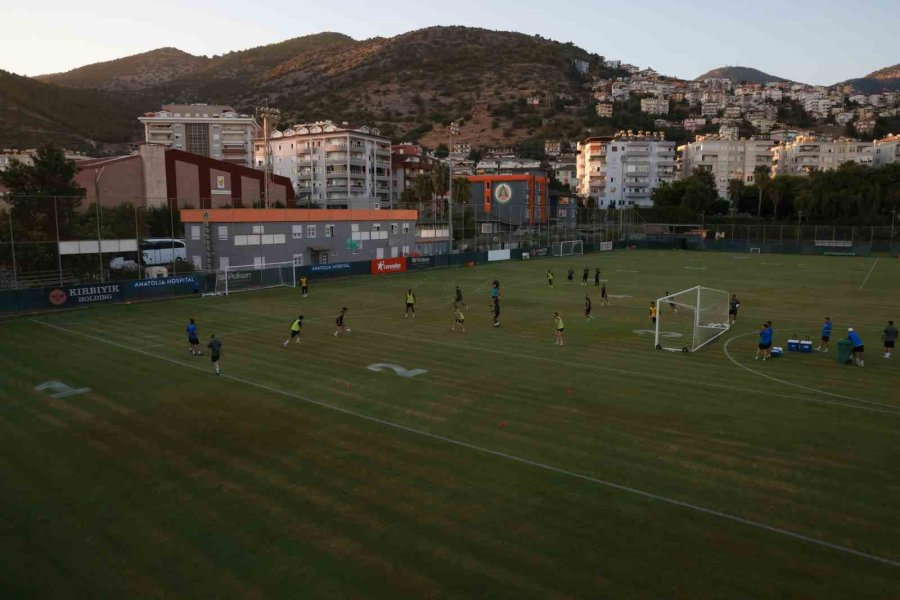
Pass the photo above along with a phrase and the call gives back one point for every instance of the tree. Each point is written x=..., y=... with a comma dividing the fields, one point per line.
x=460, y=190
x=424, y=188
x=761, y=180
x=43, y=200
x=441, y=180
x=735, y=191
x=442, y=151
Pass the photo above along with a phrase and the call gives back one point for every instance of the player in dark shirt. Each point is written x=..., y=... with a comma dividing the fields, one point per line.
x=597, y=277
x=458, y=300
x=215, y=351
x=496, y=312
x=587, y=308
x=570, y=276
x=193, y=340
x=733, y=305
x=584, y=276
x=339, y=321
x=604, y=299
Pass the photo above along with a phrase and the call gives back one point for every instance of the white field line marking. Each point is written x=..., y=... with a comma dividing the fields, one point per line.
x=510, y=457
x=640, y=374
x=869, y=274
x=803, y=387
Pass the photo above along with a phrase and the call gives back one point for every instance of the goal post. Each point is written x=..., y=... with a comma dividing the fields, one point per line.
x=688, y=320
x=569, y=248
x=242, y=278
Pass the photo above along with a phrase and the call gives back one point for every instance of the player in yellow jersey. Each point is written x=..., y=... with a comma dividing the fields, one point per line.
x=296, y=326
x=410, y=303
x=459, y=319
x=558, y=328
x=653, y=312
x=304, y=286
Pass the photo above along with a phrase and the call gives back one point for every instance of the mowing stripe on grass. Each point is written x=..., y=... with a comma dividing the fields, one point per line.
x=869, y=274
x=503, y=455
x=803, y=387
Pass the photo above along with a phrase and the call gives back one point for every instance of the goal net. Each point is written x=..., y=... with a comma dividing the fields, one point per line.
x=242, y=278
x=688, y=320
x=567, y=248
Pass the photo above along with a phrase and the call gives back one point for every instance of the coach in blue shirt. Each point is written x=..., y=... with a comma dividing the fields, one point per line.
x=764, y=348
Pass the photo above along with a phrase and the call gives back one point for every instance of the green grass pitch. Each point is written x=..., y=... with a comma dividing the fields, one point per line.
x=513, y=468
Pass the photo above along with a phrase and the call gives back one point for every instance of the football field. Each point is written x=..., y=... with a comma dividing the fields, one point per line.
x=490, y=464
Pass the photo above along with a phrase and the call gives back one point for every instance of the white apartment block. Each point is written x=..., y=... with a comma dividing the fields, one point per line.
x=332, y=166
x=886, y=151
x=726, y=159
x=7, y=155
x=807, y=154
x=624, y=170
x=655, y=106
x=213, y=131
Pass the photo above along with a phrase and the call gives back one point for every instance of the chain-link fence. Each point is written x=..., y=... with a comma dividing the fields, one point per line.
x=59, y=240
x=47, y=241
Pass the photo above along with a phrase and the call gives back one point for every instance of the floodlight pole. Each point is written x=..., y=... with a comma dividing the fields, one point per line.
x=452, y=130
x=268, y=115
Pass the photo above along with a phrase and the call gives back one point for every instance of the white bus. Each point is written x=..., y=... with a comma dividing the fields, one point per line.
x=163, y=251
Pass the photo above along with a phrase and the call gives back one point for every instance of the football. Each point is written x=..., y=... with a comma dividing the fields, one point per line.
x=349, y=330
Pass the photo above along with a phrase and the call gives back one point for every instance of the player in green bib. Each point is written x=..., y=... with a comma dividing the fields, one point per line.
x=558, y=328
x=296, y=326
x=459, y=319
x=410, y=303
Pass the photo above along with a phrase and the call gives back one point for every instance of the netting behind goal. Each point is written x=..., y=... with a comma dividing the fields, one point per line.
x=241, y=278
x=567, y=248
x=688, y=320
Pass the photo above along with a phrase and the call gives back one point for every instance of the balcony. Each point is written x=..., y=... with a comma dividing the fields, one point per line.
x=336, y=157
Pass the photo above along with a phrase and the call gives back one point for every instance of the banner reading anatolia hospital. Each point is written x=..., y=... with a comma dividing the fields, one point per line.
x=385, y=266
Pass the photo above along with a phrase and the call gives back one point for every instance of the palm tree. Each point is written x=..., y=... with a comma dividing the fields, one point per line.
x=761, y=179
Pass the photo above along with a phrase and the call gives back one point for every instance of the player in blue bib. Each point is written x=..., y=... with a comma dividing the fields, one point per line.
x=857, y=354
x=193, y=340
x=826, y=335
x=764, y=348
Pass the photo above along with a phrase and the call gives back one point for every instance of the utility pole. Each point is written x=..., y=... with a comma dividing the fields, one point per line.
x=268, y=115
x=452, y=130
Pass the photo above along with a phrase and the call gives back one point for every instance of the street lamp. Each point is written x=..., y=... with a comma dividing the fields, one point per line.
x=452, y=130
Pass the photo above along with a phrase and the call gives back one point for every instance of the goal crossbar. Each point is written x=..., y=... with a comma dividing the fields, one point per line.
x=690, y=319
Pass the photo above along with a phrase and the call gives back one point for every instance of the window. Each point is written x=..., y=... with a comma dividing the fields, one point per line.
x=406, y=228
x=405, y=250
x=223, y=263
x=354, y=227
x=297, y=232
x=376, y=226
x=298, y=260
x=311, y=231
x=395, y=228
x=223, y=232
x=198, y=262
x=258, y=228
x=195, y=232
x=329, y=231
x=259, y=262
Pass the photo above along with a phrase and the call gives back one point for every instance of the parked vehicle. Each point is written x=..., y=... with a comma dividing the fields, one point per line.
x=163, y=251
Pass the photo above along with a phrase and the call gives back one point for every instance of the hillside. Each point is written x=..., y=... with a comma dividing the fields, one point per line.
x=404, y=85
x=132, y=73
x=32, y=113
x=876, y=82
x=742, y=74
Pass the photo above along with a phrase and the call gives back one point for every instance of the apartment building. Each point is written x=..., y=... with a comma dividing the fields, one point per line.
x=623, y=170
x=7, y=155
x=886, y=151
x=208, y=130
x=807, y=154
x=655, y=106
x=605, y=110
x=408, y=161
x=332, y=166
x=726, y=159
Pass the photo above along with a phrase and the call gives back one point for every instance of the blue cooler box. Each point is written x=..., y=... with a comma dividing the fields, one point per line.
x=806, y=346
x=793, y=345
x=777, y=352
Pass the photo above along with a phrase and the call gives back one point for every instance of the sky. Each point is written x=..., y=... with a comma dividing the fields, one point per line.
x=821, y=42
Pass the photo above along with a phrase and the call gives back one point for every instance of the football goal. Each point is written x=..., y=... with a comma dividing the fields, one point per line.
x=242, y=278
x=567, y=248
x=688, y=320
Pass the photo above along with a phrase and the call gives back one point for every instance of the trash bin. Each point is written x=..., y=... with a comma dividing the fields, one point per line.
x=844, y=349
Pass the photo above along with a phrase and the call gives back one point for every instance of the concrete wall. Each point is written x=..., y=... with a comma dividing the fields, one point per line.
x=120, y=181
x=223, y=244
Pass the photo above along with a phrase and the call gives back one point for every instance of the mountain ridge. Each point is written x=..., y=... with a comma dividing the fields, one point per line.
x=742, y=74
